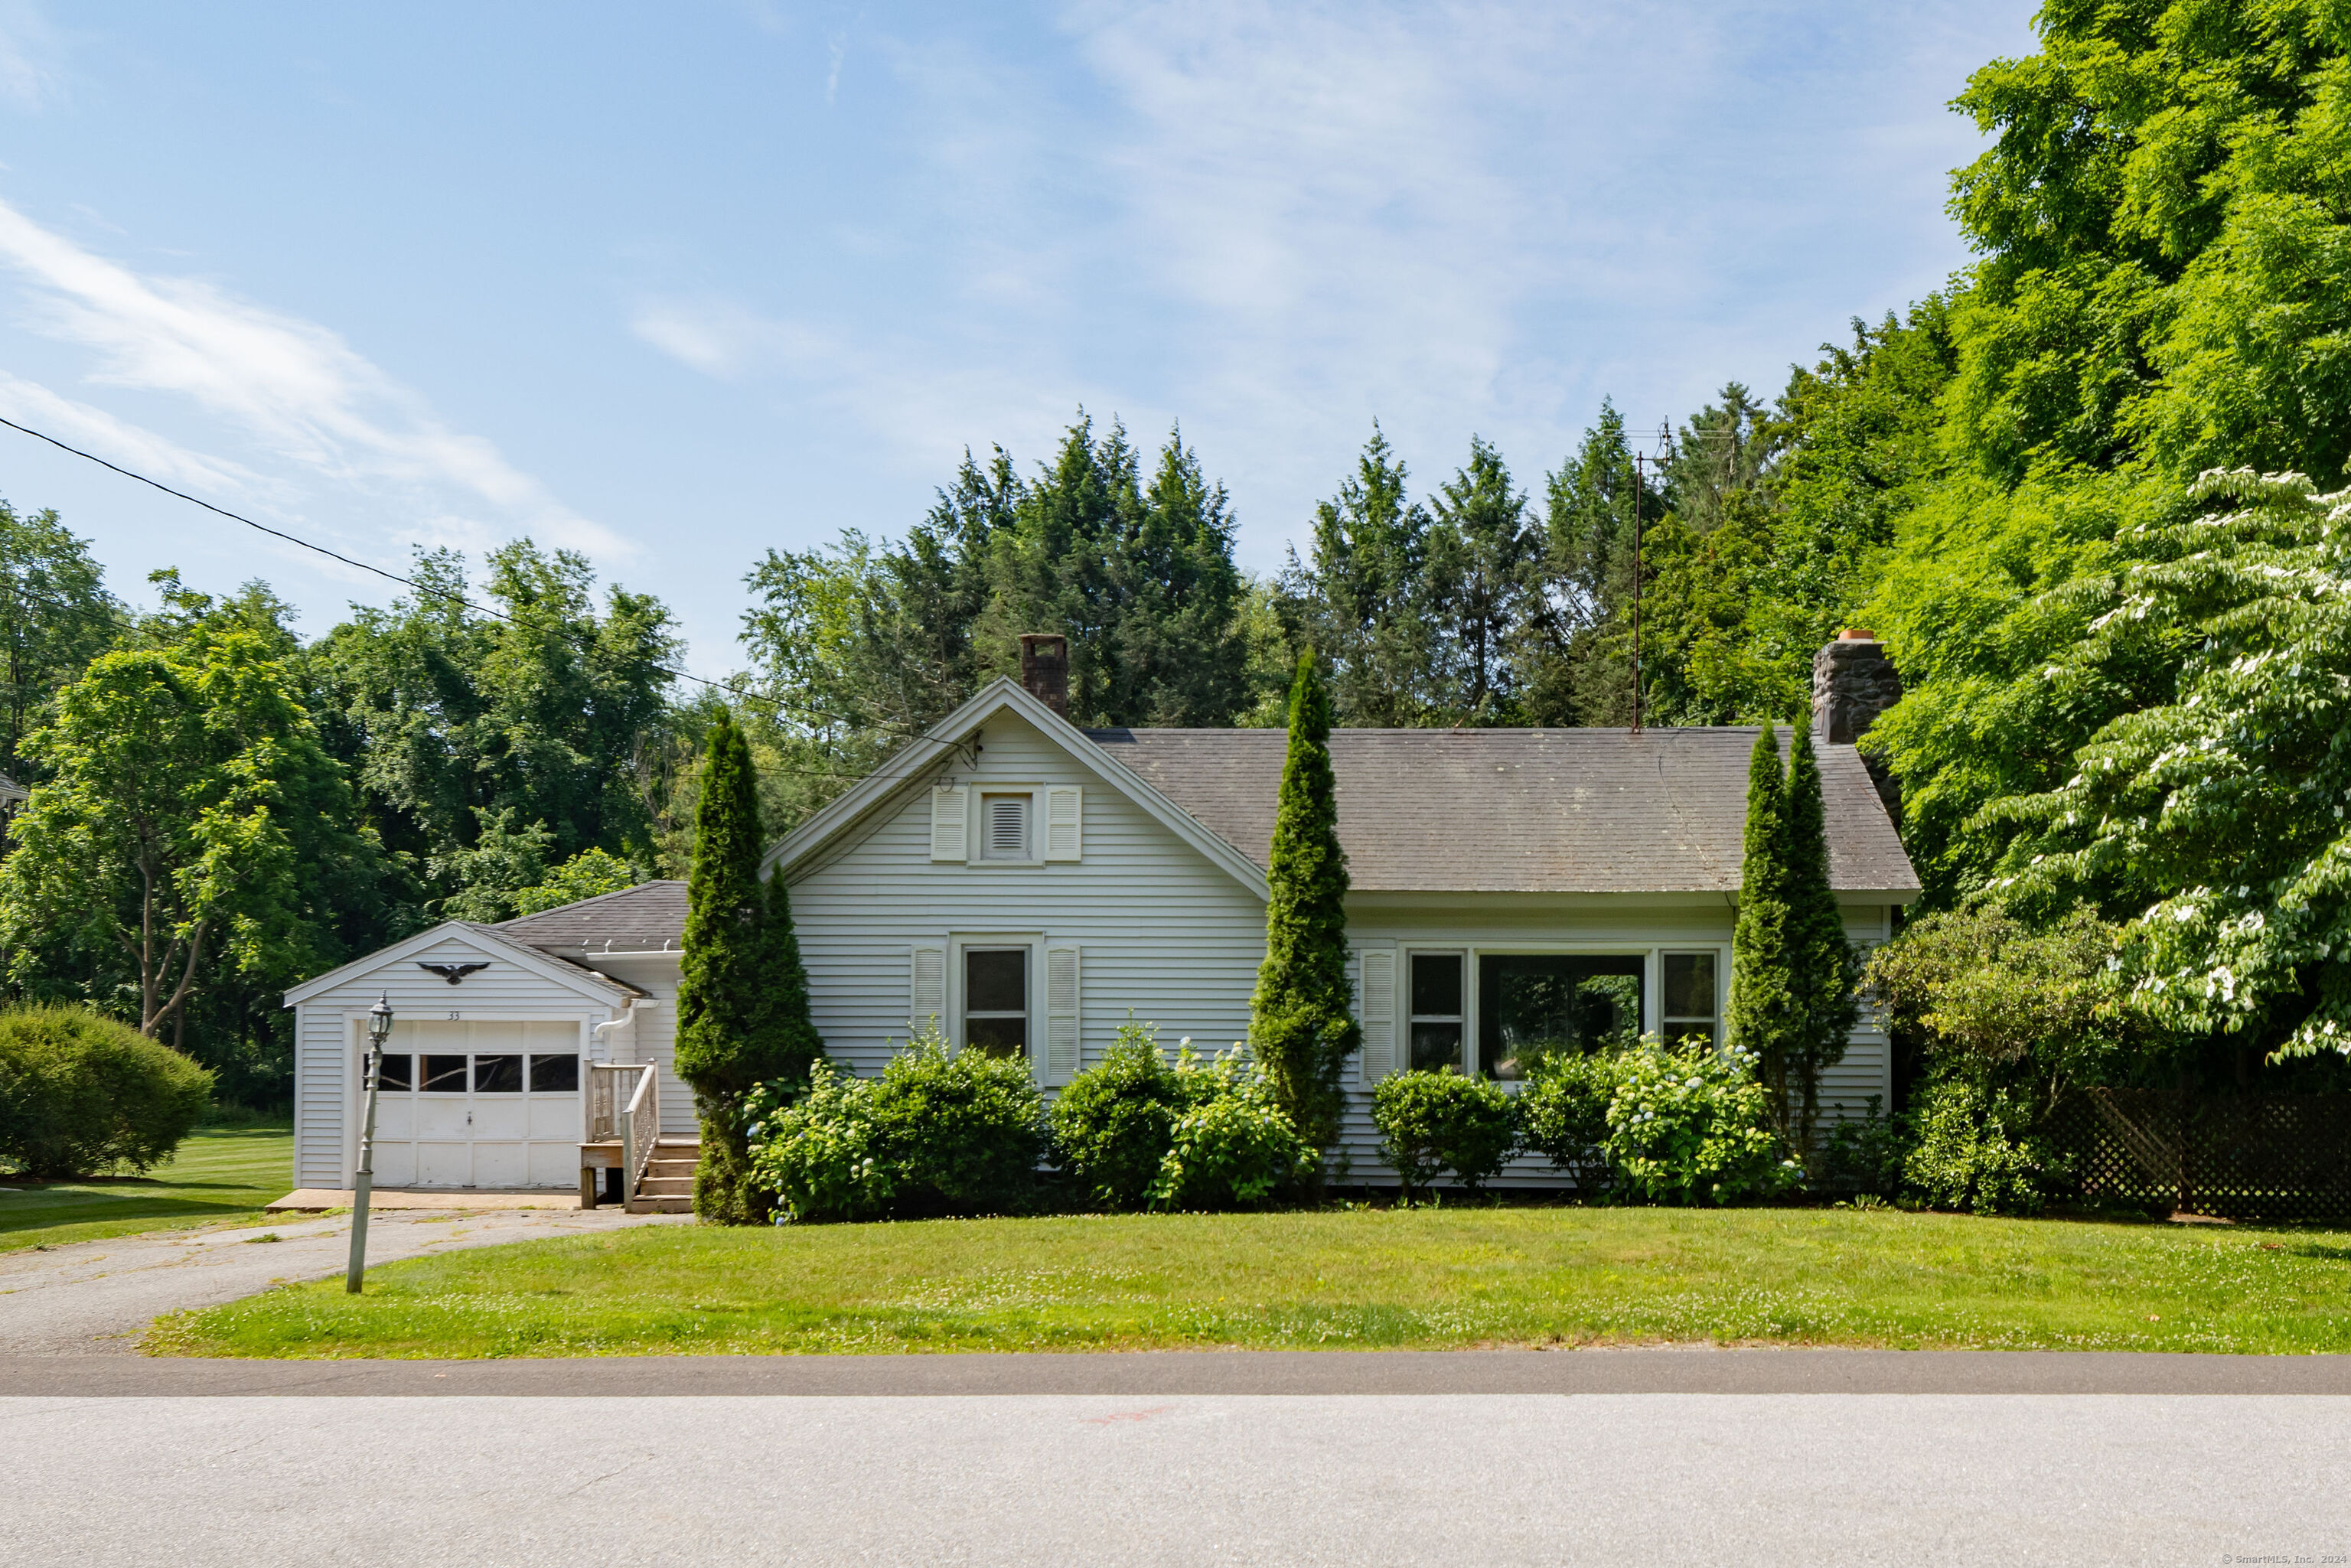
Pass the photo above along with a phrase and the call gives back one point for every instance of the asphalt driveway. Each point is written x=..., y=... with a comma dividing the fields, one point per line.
x=96, y=1297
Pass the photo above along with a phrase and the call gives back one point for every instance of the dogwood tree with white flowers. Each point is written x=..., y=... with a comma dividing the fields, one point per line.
x=2215, y=822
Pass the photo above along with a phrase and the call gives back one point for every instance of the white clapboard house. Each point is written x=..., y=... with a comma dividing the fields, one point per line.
x=1031, y=886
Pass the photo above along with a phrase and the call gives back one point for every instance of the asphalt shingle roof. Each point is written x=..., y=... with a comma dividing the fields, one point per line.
x=1520, y=810
x=641, y=919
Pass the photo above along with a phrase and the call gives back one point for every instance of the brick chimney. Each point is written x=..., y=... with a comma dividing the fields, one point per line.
x=1045, y=669
x=1853, y=683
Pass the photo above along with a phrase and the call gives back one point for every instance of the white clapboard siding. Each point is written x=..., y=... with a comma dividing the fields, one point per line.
x=1166, y=935
x=1061, y=1015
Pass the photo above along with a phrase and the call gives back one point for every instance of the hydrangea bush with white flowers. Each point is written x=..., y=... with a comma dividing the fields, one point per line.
x=1688, y=1123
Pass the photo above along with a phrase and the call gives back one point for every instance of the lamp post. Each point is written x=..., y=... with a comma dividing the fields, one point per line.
x=363, y=1183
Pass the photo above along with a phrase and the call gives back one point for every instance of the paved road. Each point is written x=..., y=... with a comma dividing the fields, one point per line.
x=1180, y=1478
x=99, y=1296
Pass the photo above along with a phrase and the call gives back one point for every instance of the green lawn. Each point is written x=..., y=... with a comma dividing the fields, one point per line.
x=1335, y=1280
x=219, y=1173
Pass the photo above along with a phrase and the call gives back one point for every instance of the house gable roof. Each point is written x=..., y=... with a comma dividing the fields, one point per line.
x=914, y=764
x=572, y=976
x=1522, y=811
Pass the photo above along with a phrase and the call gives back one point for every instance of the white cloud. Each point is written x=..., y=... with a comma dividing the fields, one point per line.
x=141, y=451
x=292, y=387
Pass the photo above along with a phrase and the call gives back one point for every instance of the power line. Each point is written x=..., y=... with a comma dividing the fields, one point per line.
x=737, y=693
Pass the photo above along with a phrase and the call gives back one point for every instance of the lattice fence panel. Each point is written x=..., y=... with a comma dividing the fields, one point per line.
x=2236, y=1157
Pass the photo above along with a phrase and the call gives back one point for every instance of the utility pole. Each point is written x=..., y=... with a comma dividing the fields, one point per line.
x=1640, y=466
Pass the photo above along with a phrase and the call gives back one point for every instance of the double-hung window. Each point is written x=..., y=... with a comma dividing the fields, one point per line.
x=1693, y=1004
x=996, y=1000
x=1436, y=1017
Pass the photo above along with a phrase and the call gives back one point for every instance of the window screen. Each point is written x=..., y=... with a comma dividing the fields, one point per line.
x=1435, y=1010
x=1004, y=827
x=1530, y=1005
x=996, y=1000
x=1691, y=1007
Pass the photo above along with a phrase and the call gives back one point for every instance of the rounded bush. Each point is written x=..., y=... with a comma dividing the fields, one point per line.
x=1692, y=1125
x=80, y=1094
x=1431, y=1122
x=1234, y=1146
x=1976, y=1151
x=1114, y=1123
x=1564, y=1112
x=940, y=1131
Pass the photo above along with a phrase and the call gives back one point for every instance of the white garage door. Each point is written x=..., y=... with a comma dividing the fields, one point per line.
x=480, y=1104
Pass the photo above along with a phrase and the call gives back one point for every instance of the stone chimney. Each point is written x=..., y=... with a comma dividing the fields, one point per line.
x=1853, y=683
x=1045, y=669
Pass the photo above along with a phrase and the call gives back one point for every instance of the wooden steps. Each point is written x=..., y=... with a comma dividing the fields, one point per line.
x=667, y=1186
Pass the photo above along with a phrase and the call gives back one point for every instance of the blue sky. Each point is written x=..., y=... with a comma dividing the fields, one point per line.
x=673, y=284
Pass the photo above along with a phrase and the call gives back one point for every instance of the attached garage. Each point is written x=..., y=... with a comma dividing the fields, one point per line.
x=495, y=1031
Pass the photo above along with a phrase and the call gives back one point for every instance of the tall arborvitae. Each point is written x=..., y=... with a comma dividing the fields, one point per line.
x=1823, y=965
x=742, y=995
x=1762, y=985
x=1301, y=1025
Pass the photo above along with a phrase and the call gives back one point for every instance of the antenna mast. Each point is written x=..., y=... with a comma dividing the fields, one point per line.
x=1640, y=463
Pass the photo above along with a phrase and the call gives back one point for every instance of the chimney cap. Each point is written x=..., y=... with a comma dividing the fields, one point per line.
x=1856, y=635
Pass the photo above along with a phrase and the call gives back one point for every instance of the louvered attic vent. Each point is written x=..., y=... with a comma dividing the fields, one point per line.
x=1005, y=827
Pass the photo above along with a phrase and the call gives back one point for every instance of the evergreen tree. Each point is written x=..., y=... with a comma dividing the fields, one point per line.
x=1764, y=990
x=1357, y=598
x=742, y=995
x=1301, y=1025
x=1482, y=559
x=1823, y=965
x=1139, y=575
x=1577, y=659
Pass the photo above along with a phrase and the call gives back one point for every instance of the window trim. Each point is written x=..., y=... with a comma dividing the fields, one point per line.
x=1651, y=954
x=1413, y=1019
x=1717, y=1023
x=1033, y=942
x=979, y=792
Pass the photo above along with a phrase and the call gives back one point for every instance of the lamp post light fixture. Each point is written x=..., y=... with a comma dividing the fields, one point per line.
x=363, y=1183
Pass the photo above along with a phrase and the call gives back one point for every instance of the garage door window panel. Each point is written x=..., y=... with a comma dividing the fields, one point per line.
x=497, y=1075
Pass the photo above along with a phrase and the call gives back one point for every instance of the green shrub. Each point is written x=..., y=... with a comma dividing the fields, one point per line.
x=80, y=1094
x=1866, y=1154
x=1115, y=1123
x=1975, y=1150
x=1431, y=1122
x=1564, y=1112
x=1233, y=1147
x=1688, y=1123
x=938, y=1132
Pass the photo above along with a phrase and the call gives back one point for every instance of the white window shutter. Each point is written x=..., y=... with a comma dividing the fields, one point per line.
x=1064, y=818
x=926, y=1000
x=1061, y=1014
x=951, y=823
x=1375, y=1009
